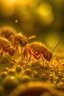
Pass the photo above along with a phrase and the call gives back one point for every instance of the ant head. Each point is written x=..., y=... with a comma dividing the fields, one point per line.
x=23, y=41
x=47, y=55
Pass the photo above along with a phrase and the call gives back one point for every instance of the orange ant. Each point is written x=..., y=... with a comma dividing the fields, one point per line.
x=7, y=32
x=21, y=40
x=15, y=38
x=37, y=50
x=5, y=46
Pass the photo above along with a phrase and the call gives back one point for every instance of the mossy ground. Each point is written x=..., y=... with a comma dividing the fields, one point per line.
x=14, y=72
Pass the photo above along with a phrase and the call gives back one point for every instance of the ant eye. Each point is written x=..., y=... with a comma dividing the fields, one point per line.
x=25, y=42
x=20, y=41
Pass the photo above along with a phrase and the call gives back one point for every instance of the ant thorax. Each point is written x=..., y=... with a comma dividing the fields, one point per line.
x=38, y=46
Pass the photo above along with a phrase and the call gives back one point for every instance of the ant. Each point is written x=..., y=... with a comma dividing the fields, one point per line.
x=5, y=46
x=15, y=38
x=38, y=50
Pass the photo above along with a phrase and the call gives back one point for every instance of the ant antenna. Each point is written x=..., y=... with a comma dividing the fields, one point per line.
x=32, y=37
x=56, y=45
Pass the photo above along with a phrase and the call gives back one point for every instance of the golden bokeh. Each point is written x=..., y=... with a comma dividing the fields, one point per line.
x=8, y=7
x=45, y=13
x=52, y=40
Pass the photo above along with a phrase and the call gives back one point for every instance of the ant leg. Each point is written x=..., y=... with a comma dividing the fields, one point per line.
x=57, y=60
x=51, y=62
x=20, y=49
x=28, y=51
x=1, y=53
x=36, y=56
x=35, y=52
x=56, y=64
x=16, y=46
x=43, y=61
x=12, y=39
x=23, y=56
x=14, y=42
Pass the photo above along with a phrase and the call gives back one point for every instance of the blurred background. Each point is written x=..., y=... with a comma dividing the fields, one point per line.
x=43, y=18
